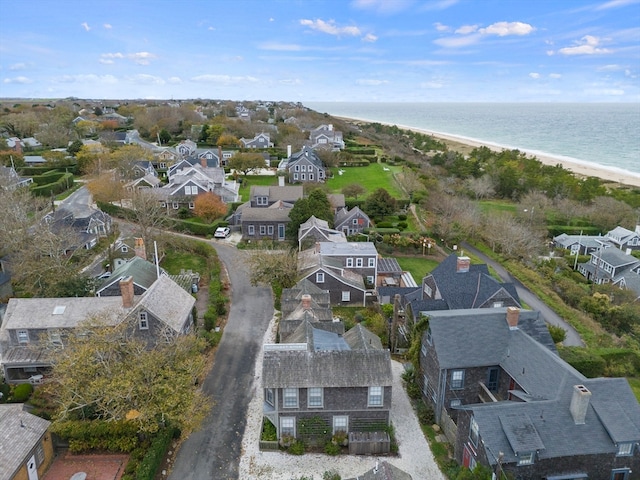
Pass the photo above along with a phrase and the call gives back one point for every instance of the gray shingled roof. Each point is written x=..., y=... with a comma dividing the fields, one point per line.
x=359, y=338
x=255, y=214
x=167, y=301
x=520, y=432
x=346, y=249
x=20, y=432
x=142, y=271
x=275, y=193
x=345, y=368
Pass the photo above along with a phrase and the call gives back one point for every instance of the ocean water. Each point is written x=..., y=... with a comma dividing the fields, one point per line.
x=606, y=134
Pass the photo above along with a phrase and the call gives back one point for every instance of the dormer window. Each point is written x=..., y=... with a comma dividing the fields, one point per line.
x=625, y=449
x=143, y=321
x=23, y=336
x=526, y=458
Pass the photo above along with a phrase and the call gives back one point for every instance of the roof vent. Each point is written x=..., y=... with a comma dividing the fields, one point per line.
x=59, y=309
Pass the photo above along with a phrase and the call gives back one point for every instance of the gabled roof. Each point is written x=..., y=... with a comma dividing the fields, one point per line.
x=275, y=193
x=343, y=368
x=344, y=215
x=321, y=228
x=615, y=257
x=144, y=273
x=168, y=302
x=306, y=154
x=359, y=338
x=470, y=289
x=20, y=432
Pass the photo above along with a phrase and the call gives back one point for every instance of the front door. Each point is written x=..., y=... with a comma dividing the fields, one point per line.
x=32, y=469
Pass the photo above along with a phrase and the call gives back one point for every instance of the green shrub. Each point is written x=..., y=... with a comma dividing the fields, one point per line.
x=425, y=414
x=269, y=433
x=584, y=360
x=402, y=217
x=152, y=460
x=296, y=448
x=85, y=435
x=402, y=225
x=21, y=393
x=558, y=334
x=331, y=475
x=331, y=448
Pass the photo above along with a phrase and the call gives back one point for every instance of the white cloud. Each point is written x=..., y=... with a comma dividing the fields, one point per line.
x=174, y=80
x=223, y=79
x=382, y=6
x=142, y=58
x=371, y=82
x=454, y=42
x=587, y=45
x=431, y=85
x=441, y=28
x=502, y=29
x=280, y=47
x=211, y=29
x=107, y=26
x=615, y=4
x=438, y=5
x=330, y=27
x=144, y=79
x=18, y=66
x=467, y=29
x=555, y=75
x=20, y=80
x=86, y=26
x=534, y=75
x=87, y=78
x=290, y=81
x=610, y=68
x=369, y=37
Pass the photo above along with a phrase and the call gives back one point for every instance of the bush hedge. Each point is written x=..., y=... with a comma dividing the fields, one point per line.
x=21, y=393
x=63, y=183
x=148, y=467
x=85, y=435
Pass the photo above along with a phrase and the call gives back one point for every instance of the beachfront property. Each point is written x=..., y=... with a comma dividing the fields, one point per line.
x=508, y=401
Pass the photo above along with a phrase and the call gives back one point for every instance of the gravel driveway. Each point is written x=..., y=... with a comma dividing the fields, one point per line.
x=415, y=455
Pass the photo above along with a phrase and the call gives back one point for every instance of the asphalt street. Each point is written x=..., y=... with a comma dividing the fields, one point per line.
x=214, y=451
x=572, y=339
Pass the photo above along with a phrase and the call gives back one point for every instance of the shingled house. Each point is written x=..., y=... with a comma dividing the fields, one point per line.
x=507, y=400
x=343, y=380
x=33, y=328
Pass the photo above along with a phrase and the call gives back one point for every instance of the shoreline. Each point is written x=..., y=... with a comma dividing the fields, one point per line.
x=465, y=145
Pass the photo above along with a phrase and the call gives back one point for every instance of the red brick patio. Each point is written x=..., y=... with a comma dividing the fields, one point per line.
x=97, y=467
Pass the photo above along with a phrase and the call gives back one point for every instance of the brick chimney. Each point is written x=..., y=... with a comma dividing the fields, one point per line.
x=126, y=289
x=317, y=247
x=203, y=161
x=463, y=264
x=513, y=315
x=18, y=146
x=579, y=404
x=140, y=249
x=220, y=155
x=306, y=301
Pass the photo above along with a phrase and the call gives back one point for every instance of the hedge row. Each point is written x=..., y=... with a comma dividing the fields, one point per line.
x=555, y=230
x=360, y=150
x=63, y=183
x=49, y=177
x=85, y=435
x=32, y=171
x=195, y=228
x=152, y=460
x=354, y=163
x=602, y=362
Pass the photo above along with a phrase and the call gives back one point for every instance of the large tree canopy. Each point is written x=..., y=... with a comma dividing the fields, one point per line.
x=108, y=374
x=316, y=204
x=380, y=203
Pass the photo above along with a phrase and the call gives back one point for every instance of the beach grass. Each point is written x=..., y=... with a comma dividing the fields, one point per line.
x=371, y=177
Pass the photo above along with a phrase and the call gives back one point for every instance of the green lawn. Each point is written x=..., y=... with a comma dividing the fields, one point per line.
x=494, y=206
x=371, y=178
x=417, y=266
x=250, y=180
x=174, y=261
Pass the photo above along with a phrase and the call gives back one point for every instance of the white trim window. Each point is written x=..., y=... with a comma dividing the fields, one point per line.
x=23, y=336
x=288, y=426
x=625, y=449
x=346, y=296
x=372, y=262
x=263, y=229
x=340, y=424
x=375, y=397
x=311, y=177
x=290, y=397
x=251, y=230
x=474, y=432
x=359, y=262
x=349, y=262
x=192, y=205
x=143, y=321
x=315, y=397
x=269, y=396
x=270, y=230
x=457, y=379
x=320, y=277
x=176, y=205
x=295, y=176
x=527, y=458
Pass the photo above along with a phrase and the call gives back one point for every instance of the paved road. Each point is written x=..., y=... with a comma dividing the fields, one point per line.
x=572, y=339
x=214, y=451
x=78, y=202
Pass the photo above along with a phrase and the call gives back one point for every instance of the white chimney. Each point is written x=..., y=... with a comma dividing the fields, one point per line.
x=579, y=404
x=281, y=181
x=288, y=151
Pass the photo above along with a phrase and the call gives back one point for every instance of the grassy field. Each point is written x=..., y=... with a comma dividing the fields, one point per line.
x=417, y=266
x=174, y=261
x=250, y=180
x=495, y=206
x=635, y=386
x=371, y=178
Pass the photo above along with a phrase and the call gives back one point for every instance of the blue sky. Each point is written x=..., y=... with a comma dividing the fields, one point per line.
x=334, y=50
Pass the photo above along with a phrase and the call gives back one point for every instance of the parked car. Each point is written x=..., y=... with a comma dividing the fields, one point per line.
x=222, y=232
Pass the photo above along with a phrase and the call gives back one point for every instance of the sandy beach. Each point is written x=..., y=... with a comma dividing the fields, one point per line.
x=585, y=169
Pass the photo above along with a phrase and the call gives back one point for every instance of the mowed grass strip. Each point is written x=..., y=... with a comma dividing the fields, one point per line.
x=371, y=177
x=417, y=266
